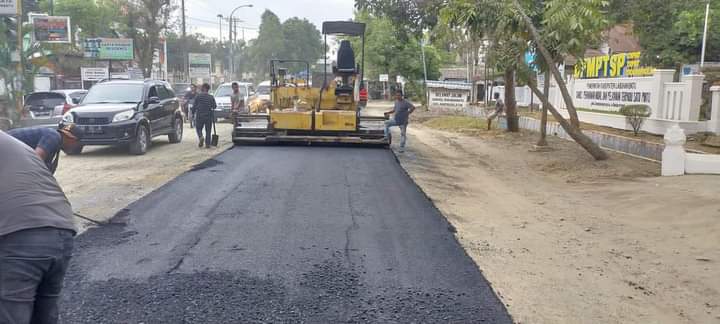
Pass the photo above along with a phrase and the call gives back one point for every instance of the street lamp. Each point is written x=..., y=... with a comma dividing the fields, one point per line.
x=232, y=41
x=702, y=56
x=220, y=16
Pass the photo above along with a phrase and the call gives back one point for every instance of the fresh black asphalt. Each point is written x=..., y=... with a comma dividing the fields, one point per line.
x=280, y=235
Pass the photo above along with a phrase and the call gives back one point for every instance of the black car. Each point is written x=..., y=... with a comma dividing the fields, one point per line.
x=127, y=112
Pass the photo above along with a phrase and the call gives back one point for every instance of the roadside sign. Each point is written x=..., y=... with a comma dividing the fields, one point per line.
x=109, y=48
x=200, y=65
x=384, y=78
x=8, y=7
x=51, y=29
x=94, y=73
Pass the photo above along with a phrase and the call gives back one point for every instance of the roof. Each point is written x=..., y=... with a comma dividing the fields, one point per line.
x=348, y=28
x=619, y=39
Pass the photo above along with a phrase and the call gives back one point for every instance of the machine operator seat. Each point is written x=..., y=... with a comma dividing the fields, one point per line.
x=345, y=59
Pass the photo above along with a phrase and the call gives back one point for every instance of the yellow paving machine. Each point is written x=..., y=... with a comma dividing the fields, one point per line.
x=324, y=113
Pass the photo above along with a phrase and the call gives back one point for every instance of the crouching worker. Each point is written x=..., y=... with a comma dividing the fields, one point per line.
x=36, y=236
x=499, y=107
x=401, y=113
x=48, y=142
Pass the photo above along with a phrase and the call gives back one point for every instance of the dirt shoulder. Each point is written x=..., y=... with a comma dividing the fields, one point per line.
x=103, y=179
x=566, y=239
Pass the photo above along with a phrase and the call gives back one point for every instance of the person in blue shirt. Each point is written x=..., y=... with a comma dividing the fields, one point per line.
x=47, y=142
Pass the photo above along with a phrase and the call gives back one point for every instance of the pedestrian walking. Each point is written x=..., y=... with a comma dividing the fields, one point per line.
x=189, y=99
x=401, y=113
x=48, y=142
x=499, y=108
x=204, y=110
x=36, y=236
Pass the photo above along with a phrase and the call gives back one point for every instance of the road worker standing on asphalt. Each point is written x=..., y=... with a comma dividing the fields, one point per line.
x=204, y=110
x=36, y=236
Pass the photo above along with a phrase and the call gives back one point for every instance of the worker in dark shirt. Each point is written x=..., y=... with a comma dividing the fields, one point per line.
x=36, y=236
x=204, y=110
x=47, y=142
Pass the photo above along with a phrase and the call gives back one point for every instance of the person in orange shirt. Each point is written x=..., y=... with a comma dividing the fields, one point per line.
x=363, y=97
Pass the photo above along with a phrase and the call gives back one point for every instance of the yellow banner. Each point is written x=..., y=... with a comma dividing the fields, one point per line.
x=612, y=66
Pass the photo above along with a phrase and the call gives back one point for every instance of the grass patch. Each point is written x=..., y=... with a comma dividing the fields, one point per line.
x=456, y=123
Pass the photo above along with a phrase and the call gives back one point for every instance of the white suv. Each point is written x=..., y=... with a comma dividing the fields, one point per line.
x=222, y=97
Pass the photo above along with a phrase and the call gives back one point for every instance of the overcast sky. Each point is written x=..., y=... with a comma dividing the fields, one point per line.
x=201, y=15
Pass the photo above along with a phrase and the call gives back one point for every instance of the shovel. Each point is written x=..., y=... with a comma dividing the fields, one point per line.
x=215, y=138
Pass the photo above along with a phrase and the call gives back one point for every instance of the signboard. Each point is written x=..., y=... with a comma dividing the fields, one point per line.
x=8, y=7
x=611, y=94
x=109, y=49
x=612, y=66
x=448, y=95
x=384, y=78
x=51, y=29
x=200, y=65
x=94, y=73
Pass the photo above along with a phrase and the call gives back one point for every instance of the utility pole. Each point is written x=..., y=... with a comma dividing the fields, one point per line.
x=184, y=42
x=220, y=16
x=19, y=68
x=704, y=42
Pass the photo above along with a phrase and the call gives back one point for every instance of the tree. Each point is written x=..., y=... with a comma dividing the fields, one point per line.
x=303, y=41
x=563, y=33
x=145, y=20
x=93, y=18
x=270, y=43
x=670, y=32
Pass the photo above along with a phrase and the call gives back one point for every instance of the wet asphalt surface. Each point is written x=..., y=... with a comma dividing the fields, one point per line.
x=280, y=235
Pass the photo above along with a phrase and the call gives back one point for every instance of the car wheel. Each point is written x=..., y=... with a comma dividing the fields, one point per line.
x=75, y=150
x=141, y=142
x=176, y=135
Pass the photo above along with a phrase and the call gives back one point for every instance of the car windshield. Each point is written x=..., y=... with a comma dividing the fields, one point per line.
x=44, y=100
x=263, y=90
x=226, y=91
x=114, y=93
x=181, y=87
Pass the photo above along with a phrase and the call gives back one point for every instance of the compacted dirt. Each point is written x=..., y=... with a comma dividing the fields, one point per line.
x=565, y=239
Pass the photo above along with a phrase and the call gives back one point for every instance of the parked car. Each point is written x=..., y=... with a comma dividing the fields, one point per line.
x=46, y=108
x=222, y=97
x=128, y=112
x=263, y=90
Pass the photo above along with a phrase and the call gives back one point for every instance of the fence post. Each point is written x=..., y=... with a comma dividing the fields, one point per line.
x=657, y=101
x=714, y=122
x=691, y=109
x=673, y=156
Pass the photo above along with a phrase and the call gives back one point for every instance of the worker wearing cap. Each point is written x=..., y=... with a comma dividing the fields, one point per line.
x=48, y=142
x=36, y=236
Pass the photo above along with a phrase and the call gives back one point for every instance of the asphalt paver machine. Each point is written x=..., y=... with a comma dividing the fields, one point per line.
x=324, y=113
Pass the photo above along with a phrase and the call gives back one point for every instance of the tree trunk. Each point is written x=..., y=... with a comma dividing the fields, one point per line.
x=510, y=104
x=574, y=132
x=544, y=116
x=574, y=120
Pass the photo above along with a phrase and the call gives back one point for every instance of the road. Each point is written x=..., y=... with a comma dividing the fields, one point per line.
x=280, y=234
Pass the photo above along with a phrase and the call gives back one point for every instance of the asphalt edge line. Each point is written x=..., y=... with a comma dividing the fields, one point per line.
x=454, y=231
x=118, y=212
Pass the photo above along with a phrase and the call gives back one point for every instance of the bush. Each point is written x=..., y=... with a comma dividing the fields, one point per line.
x=635, y=115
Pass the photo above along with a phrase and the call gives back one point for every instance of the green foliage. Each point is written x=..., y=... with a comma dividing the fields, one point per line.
x=302, y=41
x=635, y=115
x=94, y=18
x=384, y=54
x=670, y=32
x=270, y=43
x=144, y=21
x=411, y=17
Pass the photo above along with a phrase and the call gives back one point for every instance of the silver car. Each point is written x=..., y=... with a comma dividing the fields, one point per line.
x=46, y=108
